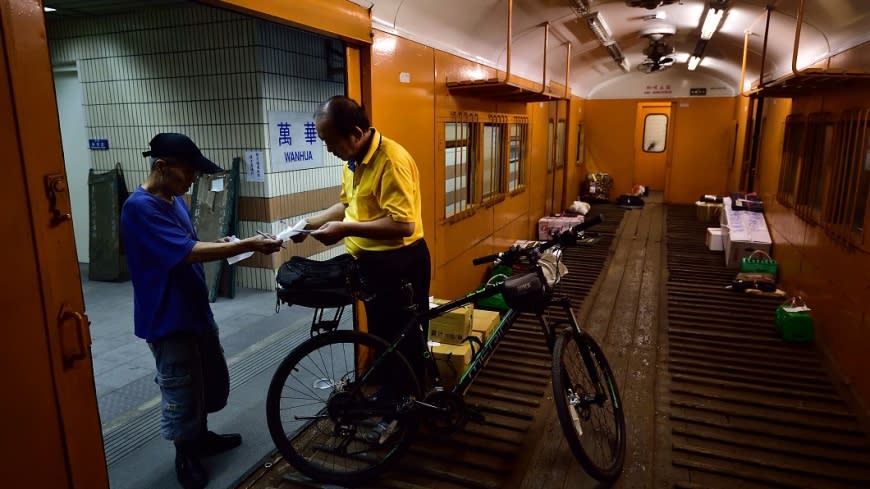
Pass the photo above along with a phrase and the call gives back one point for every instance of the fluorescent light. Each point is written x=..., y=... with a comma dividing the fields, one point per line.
x=600, y=29
x=711, y=23
x=693, y=62
x=48, y=9
x=615, y=52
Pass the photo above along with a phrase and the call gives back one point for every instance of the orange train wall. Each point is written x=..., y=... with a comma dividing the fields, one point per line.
x=410, y=102
x=702, y=151
x=835, y=280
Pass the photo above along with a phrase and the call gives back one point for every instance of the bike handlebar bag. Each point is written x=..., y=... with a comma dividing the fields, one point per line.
x=316, y=283
x=526, y=292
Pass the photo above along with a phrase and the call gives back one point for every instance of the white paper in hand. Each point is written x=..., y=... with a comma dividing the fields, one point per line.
x=241, y=256
x=291, y=231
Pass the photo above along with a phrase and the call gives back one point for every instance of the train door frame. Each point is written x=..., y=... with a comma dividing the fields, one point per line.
x=56, y=423
x=655, y=178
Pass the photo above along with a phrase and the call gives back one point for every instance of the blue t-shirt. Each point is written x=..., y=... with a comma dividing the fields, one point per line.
x=169, y=295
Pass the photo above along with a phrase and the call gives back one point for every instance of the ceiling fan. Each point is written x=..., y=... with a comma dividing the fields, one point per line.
x=648, y=4
x=660, y=56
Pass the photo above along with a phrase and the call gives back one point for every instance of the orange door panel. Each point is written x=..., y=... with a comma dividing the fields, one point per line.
x=652, y=147
x=53, y=422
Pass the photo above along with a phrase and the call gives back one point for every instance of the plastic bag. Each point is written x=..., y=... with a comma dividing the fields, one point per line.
x=793, y=321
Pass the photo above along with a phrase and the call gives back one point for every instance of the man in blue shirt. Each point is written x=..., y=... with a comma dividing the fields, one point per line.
x=171, y=307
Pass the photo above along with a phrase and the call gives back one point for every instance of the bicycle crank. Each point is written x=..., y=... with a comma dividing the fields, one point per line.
x=446, y=412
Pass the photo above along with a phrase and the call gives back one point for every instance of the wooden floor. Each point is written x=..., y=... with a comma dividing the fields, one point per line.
x=623, y=313
x=626, y=312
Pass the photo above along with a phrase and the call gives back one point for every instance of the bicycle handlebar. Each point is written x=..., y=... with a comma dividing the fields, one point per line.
x=564, y=237
x=486, y=259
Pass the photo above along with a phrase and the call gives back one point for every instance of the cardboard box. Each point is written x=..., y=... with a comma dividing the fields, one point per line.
x=452, y=360
x=548, y=225
x=708, y=211
x=742, y=233
x=451, y=327
x=714, y=239
x=484, y=322
x=735, y=250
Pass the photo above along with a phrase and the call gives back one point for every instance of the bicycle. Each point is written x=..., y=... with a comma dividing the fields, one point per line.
x=327, y=393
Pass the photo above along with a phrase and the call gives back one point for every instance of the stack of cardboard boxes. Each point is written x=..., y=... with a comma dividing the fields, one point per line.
x=742, y=233
x=449, y=338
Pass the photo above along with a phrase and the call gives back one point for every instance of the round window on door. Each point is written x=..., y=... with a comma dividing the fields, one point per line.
x=655, y=133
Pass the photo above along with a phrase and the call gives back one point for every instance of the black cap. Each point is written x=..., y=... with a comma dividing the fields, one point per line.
x=179, y=146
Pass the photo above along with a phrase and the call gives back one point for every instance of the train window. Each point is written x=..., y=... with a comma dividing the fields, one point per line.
x=655, y=133
x=791, y=155
x=862, y=161
x=812, y=180
x=460, y=155
x=846, y=205
x=517, y=157
x=493, y=157
x=580, y=143
x=560, y=144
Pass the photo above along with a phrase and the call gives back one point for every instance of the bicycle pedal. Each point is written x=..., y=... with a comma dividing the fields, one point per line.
x=474, y=415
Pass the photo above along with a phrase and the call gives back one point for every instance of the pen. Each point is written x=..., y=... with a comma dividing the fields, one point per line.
x=267, y=236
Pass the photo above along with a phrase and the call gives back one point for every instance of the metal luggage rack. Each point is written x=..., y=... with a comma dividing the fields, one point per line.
x=321, y=301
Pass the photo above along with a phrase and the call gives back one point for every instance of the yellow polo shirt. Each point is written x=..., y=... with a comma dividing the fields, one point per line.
x=386, y=183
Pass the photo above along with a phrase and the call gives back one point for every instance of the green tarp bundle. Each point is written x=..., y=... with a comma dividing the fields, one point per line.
x=106, y=194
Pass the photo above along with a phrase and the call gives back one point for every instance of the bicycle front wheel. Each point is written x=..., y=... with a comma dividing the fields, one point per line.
x=327, y=399
x=588, y=405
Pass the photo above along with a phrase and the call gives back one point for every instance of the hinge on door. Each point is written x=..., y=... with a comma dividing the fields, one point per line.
x=59, y=206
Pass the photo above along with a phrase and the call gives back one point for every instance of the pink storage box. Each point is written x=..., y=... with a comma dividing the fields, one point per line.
x=548, y=225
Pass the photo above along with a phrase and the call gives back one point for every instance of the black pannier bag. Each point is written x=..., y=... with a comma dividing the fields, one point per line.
x=629, y=201
x=746, y=202
x=314, y=283
x=527, y=292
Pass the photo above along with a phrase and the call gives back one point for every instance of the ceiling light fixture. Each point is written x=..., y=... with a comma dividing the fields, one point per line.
x=48, y=9
x=711, y=22
x=600, y=29
x=693, y=62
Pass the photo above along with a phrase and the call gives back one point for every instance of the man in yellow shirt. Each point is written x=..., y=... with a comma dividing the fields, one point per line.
x=379, y=216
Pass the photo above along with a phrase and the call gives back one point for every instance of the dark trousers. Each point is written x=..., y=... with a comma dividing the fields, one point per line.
x=383, y=274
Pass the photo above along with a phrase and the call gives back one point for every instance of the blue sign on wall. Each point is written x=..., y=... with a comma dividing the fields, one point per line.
x=98, y=143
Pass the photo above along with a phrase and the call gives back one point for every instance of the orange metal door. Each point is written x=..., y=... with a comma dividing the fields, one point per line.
x=652, y=144
x=51, y=424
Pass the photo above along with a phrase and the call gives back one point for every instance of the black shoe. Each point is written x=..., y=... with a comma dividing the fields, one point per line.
x=382, y=432
x=212, y=443
x=189, y=470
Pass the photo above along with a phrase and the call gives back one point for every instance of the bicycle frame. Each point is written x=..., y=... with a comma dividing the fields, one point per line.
x=481, y=356
x=374, y=381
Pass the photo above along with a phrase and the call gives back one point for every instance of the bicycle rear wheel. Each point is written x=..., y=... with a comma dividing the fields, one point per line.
x=327, y=397
x=588, y=405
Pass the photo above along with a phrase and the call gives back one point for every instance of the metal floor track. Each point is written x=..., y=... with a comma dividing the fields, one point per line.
x=512, y=391
x=748, y=410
